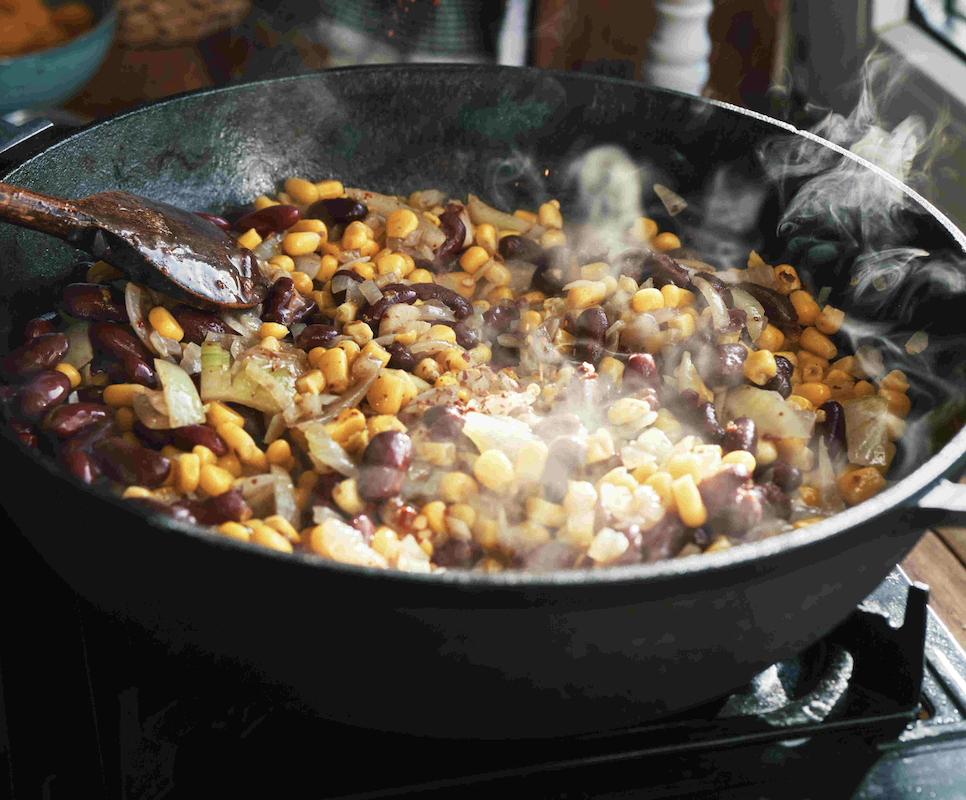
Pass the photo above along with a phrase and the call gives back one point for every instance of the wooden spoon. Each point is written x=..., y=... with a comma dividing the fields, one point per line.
x=172, y=251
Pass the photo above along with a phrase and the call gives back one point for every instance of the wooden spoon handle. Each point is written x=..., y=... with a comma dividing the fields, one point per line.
x=40, y=212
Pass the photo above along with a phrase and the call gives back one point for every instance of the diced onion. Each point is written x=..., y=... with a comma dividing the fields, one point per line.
x=770, y=413
x=80, y=353
x=504, y=434
x=309, y=264
x=719, y=311
x=324, y=451
x=672, y=201
x=370, y=291
x=180, y=394
x=756, y=319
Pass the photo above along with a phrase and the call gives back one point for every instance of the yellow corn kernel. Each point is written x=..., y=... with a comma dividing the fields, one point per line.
x=345, y=495
x=272, y=329
x=644, y=229
x=442, y=333
x=742, y=457
x=668, y=424
x=303, y=283
x=384, y=422
x=680, y=464
x=813, y=367
x=818, y=343
x=312, y=382
x=766, y=453
x=442, y=454
x=805, y=306
x=101, y=272
x=494, y=470
x=284, y=527
x=435, y=513
x=860, y=485
x=303, y=192
x=457, y=487
x=595, y=272
x=165, y=324
x=830, y=320
x=643, y=472
x=310, y=226
x=235, y=530
x=688, y=500
x=611, y=367
x=895, y=381
x=391, y=262
x=786, y=279
x=401, y=223
x=205, y=455
x=531, y=461
x=334, y=365
x=661, y=482
x=266, y=536
x=526, y=216
x=486, y=237
x=815, y=393
x=647, y=300
x=839, y=382
x=770, y=339
x=249, y=239
x=666, y=241
x=214, y=480
x=237, y=438
x=453, y=360
x=545, y=512
x=383, y=540
x=386, y=393
x=136, y=492
x=863, y=389
x=189, y=472
x=529, y=320
x=474, y=258
x=270, y=343
x=810, y=496
x=586, y=296
x=501, y=293
x=279, y=452
x=356, y=235
x=121, y=394
x=432, y=218
x=329, y=266
x=421, y=276
x=263, y=202
x=125, y=418
x=799, y=401
x=497, y=275
x=230, y=463
x=71, y=372
x=360, y=332
x=349, y=422
x=683, y=325
x=427, y=370
x=760, y=367
x=548, y=215
x=300, y=243
x=217, y=413
x=899, y=403
x=676, y=297
x=282, y=262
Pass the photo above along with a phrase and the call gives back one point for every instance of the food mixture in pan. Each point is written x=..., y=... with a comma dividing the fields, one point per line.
x=435, y=384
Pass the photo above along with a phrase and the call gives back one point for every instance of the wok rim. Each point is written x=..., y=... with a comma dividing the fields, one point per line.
x=900, y=496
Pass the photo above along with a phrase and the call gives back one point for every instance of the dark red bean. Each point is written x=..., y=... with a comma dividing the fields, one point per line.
x=66, y=420
x=444, y=259
x=567, y=454
x=709, y=425
x=81, y=465
x=24, y=431
x=458, y=304
x=337, y=211
x=90, y=394
x=515, y=247
x=322, y=491
x=128, y=463
x=140, y=372
x=400, y=357
x=720, y=287
x=727, y=365
x=832, y=429
x=218, y=222
x=778, y=308
x=117, y=341
x=465, y=338
x=641, y=372
x=737, y=319
x=153, y=437
x=497, y=319
x=272, y=219
x=95, y=301
x=196, y=323
x=383, y=466
x=740, y=434
x=783, y=475
x=285, y=305
x=316, y=336
x=642, y=264
x=399, y=516
x=590, y=329
x=40, y=353
x=391, y=295
x=782, y=382
x=85, y=439
x=457, y=553
x=550, y=276
x=445, y=422
x=39, y=326
x=230, y=506
x=664, y=539
x=187, y=436
x=774, y=500
x=42, y=392
x=729, y=497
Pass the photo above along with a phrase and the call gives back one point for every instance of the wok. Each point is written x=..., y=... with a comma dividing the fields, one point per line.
x=468, y=654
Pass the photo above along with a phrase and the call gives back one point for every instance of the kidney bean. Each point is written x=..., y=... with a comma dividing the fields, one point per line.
x=322, y=491
x=783, y=475
x=218, y=222
x=567, y=454
x=782, y=382
x=364, y=524
x=642, y=264
x=391, y=295
x=95, y=301
x=737, y=319
x=24, y=431
x=285, y=305
x=457, y=553
x=740, y=434
x=465, y=338
x=640, y=372
x=42, y=392
x=664, y=539
x=337, y=211
x=515, y=247
x=778, y=308
x=316, y=336
x=64, y=421
x=550, y=276
x=590, y=330
x=187, y=436
x=686, y=253
x=81, y=466
x=40, y=353
x=718, y=285
x=548, y=557
x=230, y=506
x=85, y=439
x=348, y=273
x=458, y=304
x=196, y=323
x=399, y=516
x=128, y=463
x=117, y=341
x=732, y=504
x=139, y=372
x=445, y=422
x=444, y=259
x=400, y=357
x=272, y=219
x=774, y=500
x=832, y=429
x=497, y=319
x=383, y=466
x=90, y=394
x=727, y=365
x=38, y=326
x=708, y=423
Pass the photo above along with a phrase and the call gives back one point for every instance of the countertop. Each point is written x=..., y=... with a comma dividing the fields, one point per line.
x=939, y=561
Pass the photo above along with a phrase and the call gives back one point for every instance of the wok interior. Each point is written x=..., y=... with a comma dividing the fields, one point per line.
x=508, y=136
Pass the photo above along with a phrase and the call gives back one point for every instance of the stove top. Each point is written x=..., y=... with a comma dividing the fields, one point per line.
x=93, y=708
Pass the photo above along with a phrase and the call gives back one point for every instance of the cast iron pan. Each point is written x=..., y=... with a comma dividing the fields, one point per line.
x=461, y=654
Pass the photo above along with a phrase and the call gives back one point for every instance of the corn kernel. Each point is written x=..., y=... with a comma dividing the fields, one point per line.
x=818, y=343
x=300, y=243
x=214, y=480
x=531, y=461
x=666, y=241
x=457, y=487
x=742, y=457
x=356, y=235
x=861, y=484
x=231, y=464
x=770, y=339
x=272, y=329
x=71, y=372
x=830, y=320
x=494, y=470
x=805, y=306
x=102, y=272
x=122, y=394
x=279, y=452
x=548, y=216
x=676, y=297
x=647, y=300
x=263, y=202
x=644, y=229
x=661, y=482
x=334, y=365
x=235, y=530
x=266, y=536
x=586, y=296
x=401, y=223
x=474, y=258
x=249, y=239
x=760, y=367
x=310, y=226
x=815, y=393
x=345, y=495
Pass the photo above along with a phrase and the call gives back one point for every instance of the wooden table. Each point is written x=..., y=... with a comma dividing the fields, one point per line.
x=939, y=560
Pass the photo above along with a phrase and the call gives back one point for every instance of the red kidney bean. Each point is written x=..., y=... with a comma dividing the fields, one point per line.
x=81, y=465
x=85, y=439
x=686, y=253
x=187, y=436
x=458, y=304
x=219, y=222
x=732, y=504
x=737, y=319
x=590, y=330
x=465, y=337
x=24, y=431
x=272, y=219
x=497, y=319
x=322, y=491
x=140, y=372
x=124, y=462
x=550, y=276
x=728, y=365
x=316, y=336
x=457, y=553
x=641, y=372
x=782, y=382
x=740, y=434
x=782, y=474
x=66, y=420
x=774, y=500
x=118, y=341
x=340, y=297
x=95, y=301
x=42, y=392
x=337, y=211
x=664, y=539
x=444, y=259
x=445, y=422
x=391, y=295
x=778, y=308
x=709, y=423
x=285, y=305
x=153, y=437
x=196, y=324
x=39, y=326
x=642, y=264
x=383, y=466
x=229, y=506
x=832, y=429
x=567, y=454
x=515, y=247
x=40, y=353
x=400, y=357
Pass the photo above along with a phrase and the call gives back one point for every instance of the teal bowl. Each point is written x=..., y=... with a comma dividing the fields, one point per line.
x=48, y=77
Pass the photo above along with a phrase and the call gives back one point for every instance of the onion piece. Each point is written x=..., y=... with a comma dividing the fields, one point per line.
x=146, y=407
x=370, y=291
x=502, y=433
x=184, y=404
x=867, y=422
x=80, y=352
x=826, y=483
x=270, y=247
x=770, y=413
x=324, y=451
x=285, y=504
x=191, y=358
x=138, y=306
x=481, y=213
x=309, y=264
x=342, y=542
x=365, y=370
x=429, y=347
x=756, y=319
x=719, y=311
x=672, y=201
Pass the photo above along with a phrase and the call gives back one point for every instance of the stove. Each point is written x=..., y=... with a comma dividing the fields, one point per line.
x=92, y=707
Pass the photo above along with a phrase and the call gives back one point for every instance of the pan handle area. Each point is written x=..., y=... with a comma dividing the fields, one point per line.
x=944, y=504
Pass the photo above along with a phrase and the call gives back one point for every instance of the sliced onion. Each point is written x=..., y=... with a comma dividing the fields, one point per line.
x=365, y=370
x=641, y=328
x=672, y=201
x=389, y=277
x=165, y=347
x=867, y=422
x=138, y=306
x=435, y=311
x=268, y=248
x=184, y=404
x=284, y=396
x=285, y=505
x=324, y=451
x=480, y=213
x=342, y=542
x=613, y=334
x=370, y=291
x=502, y=433
x=309, y=264
x=245, y=323
x=80, y=353
x=191, y=358
x=827, y=485
x=770, y=413
x=147, y=411
x=756, y=319
x=719, y=311
x=429, y=347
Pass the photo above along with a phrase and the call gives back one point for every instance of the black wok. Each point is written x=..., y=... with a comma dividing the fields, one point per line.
x=467, y=654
